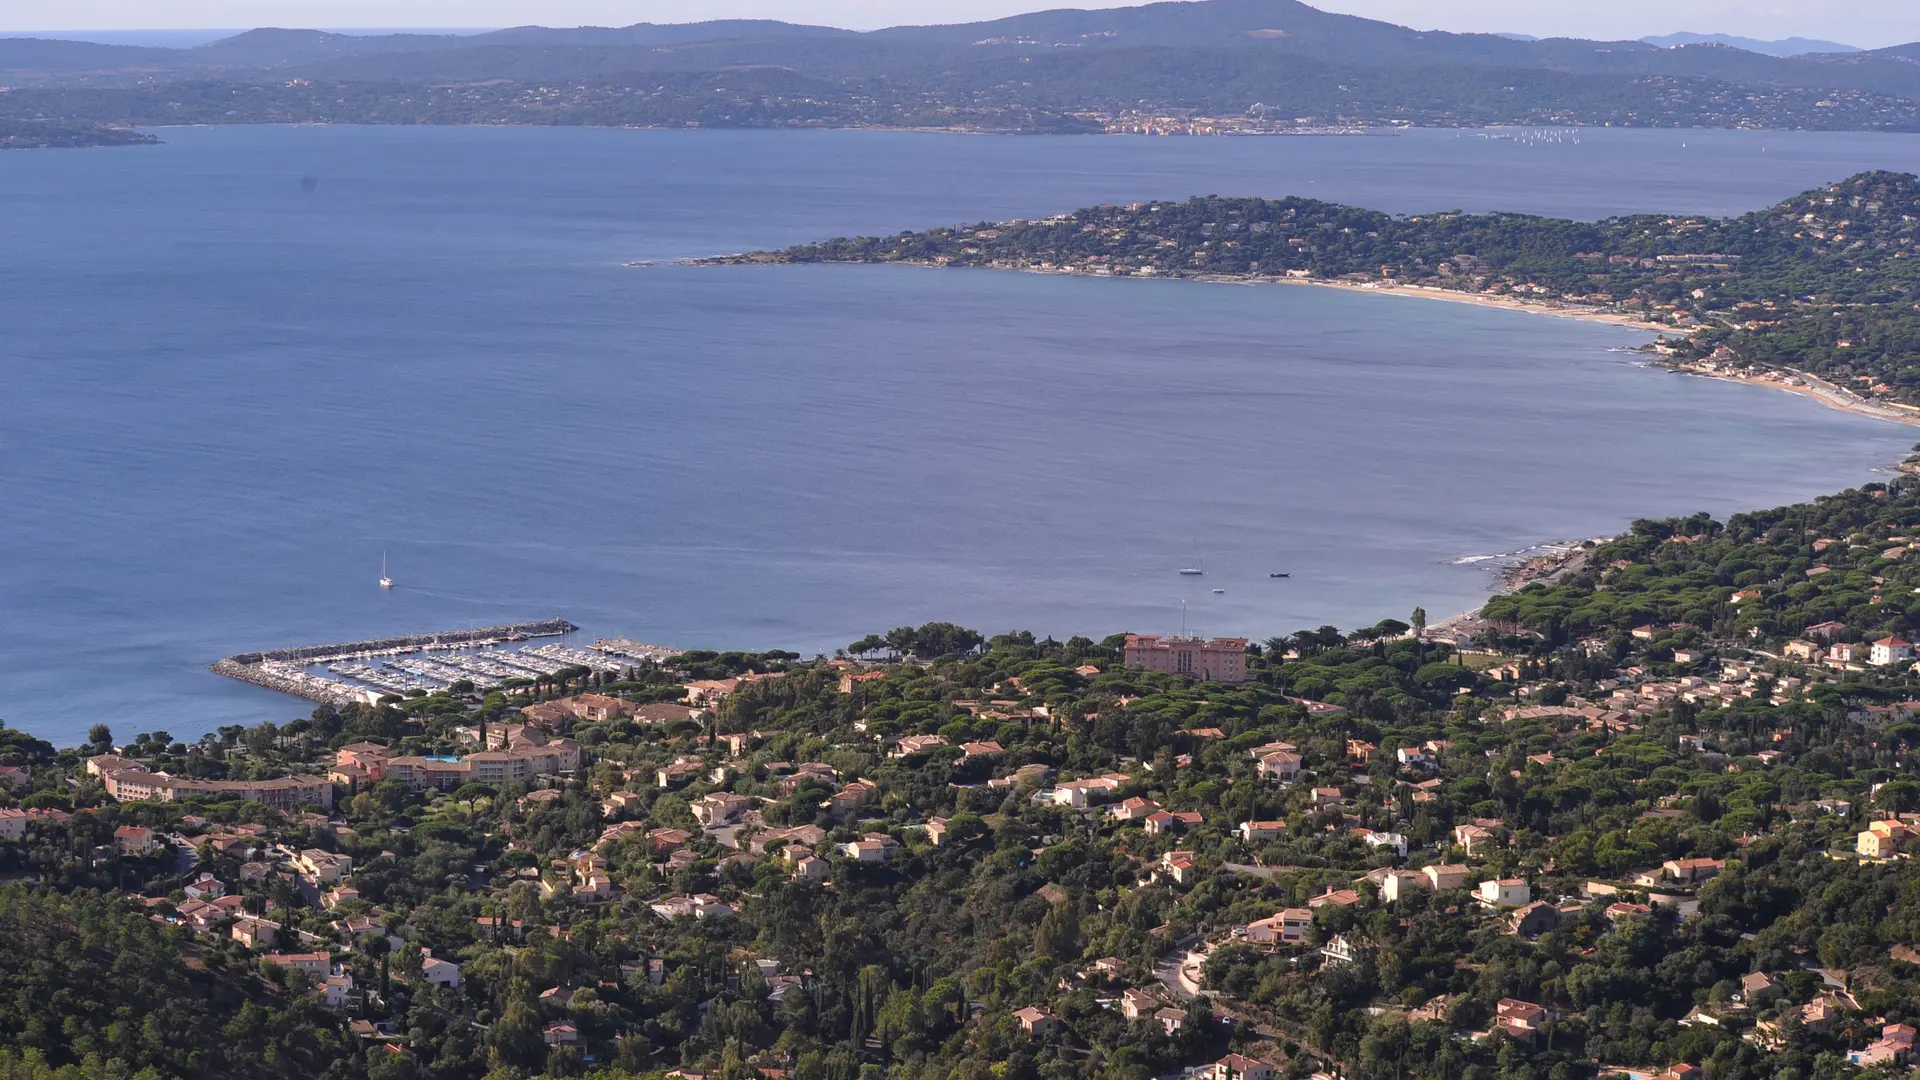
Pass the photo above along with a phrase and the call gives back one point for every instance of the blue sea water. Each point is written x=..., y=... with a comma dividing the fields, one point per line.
x=238, y=367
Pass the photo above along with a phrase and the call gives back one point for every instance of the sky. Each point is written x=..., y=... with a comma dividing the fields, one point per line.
x=1867, y=23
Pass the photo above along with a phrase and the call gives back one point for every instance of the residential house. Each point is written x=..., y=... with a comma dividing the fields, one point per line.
x=1890, y=650
x=1172, y=821
x=719, y=808
x=1504, y=893
x=1520, y=1020
x=912, y=745
x=1257, y=832
x=1386, y=841
x=256, y=933
x=437, y=972
x=1400, y=883
x=1688, y=871
x=1281, y=765
x=1883, y=839
x=1474, y=838
x=1135, y=1004
x=1285, y=925
x=1241, y=1067
x=317, y=964
x=1134, y=809
x=1445, y=876
x=1534, y=919
x=1036, y=1021
x=1341, y=949
x=135, y=840
x=1182, y=867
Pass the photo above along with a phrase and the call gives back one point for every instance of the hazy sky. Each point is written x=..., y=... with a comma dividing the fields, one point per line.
x=1868, y=23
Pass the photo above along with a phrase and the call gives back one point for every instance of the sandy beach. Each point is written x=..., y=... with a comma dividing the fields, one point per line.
x=1818, y=389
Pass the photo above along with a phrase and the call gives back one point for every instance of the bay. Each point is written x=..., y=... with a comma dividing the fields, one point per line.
x=238, y=367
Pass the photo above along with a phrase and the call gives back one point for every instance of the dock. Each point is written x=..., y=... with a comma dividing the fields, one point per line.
x=355, y=680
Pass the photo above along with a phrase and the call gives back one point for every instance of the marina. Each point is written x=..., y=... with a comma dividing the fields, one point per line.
x=365, y=671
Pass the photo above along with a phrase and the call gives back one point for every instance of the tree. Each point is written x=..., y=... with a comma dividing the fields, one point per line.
x=100, y=735
x=1419, y=621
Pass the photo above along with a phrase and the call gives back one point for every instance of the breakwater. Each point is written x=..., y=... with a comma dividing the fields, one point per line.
x=284, y=670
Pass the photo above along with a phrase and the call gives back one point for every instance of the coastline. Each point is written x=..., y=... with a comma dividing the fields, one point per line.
x=1810, y=386
x=1535, y=307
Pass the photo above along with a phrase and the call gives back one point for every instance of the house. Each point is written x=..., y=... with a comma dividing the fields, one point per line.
x=1827, y=631
x=134, y=840
x=1286, y=925
x=13, y=824
x=1135, y=1004
x=205, y=887
x=437, y=972
x=1894, y=1047
x=1341, y=949
x=1036, y=1021
x=1254, y=832
x=335, y=990
x=1757, y=988
x=1801, y=650
x=317, y=964
x=1504, y=893
x=1386, y=841
x=810, y=868
x=1890, y=650
x=1445, y=876
x=1281, y=765
x=1170, y=1019
x=15, y=777
x=1408, y=755
x=698, y=905
x=1534, y=919
x=987, y=750
x=912, y=745
x=1518, y=1019
x=719, y=808
x=937, y=830
x=1181, y=866
x=322, y=867
x=1241, y=1067
x=1336, y=897
x=1883, y=839
x=849, y=798
x=1474, y=838
x=1134, y=809
x=871, y=849
x=1326, y=796
x=561, y=1033
x=1082, y=793
x=1688, y=871
x=256, y=933
x=1172, y=821
x=1399, y=883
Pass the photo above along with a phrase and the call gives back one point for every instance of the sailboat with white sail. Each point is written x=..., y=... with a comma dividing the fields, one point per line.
x=385, y=581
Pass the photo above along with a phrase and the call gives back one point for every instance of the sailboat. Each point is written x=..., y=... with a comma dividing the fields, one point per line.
x=385, y=581
x=1199, y=566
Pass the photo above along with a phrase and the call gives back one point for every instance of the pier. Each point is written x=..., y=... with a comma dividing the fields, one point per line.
x=285, y=670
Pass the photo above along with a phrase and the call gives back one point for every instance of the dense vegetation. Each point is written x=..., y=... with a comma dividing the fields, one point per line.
x=1641, y=707
x=1824, y=282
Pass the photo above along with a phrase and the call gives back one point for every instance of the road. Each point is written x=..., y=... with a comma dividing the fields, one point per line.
x=1179, y=969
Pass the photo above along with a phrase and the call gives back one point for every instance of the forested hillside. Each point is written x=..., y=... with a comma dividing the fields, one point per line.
x=1824, y=282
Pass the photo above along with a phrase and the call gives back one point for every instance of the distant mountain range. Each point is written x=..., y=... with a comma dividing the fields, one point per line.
x=1198, y=66
x=1793, y=46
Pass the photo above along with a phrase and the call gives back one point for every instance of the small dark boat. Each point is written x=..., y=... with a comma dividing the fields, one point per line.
x=1279, y=575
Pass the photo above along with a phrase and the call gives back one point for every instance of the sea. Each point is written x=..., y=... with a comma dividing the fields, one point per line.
x=240, y=368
